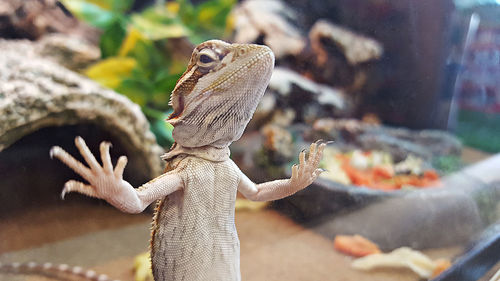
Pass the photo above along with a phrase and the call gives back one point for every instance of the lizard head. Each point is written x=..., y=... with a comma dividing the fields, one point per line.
x=218, y=93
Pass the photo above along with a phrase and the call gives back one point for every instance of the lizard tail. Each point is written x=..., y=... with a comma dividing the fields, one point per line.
x=51, y=270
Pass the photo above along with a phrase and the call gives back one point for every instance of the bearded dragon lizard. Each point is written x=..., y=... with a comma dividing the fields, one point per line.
x=193, y=234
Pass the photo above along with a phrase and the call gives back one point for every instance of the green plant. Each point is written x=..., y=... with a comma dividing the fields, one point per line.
x=480, y=130
x=447, y=164
x=135, y=60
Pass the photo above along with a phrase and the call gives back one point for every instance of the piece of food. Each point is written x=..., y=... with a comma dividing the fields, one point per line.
x=384, y=171
x=431, y=175
x=355, y=245
x=411, y=164
x=332, y=163
x=376, y=170
x=360, y=160
x=358, y=177
x=496, y=277
x=441, y=265
x=401, y=257
x=142, y=267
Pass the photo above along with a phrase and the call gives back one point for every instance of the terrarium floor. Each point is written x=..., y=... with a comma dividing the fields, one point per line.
x=273, y=247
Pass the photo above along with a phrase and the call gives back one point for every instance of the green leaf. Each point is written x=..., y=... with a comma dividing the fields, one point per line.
x=136, y=90
x=104, y=4
x=159, y=15
x=148, y=57
x=163, y=133
x=209, y=20
x=199, y=37
x=161, y=100
x=89, y=12
x=156, y=31
x=161, y=129
x=214, y=13
x=110, y=72
x=121, y=6
x=166, y=82
x=187, y=11
x=112, y=38
x=154, y=114
x=163, y=86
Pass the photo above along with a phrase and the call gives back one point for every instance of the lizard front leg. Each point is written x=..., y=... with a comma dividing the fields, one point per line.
x=302, y=176
x=108, y=184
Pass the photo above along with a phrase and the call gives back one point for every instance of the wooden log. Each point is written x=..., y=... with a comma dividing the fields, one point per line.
x=44, y=104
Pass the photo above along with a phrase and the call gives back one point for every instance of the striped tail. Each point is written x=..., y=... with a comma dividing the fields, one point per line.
x=49, y=269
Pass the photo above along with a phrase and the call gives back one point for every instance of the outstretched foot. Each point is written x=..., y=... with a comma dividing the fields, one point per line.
x=307, y=171
x=104, y=181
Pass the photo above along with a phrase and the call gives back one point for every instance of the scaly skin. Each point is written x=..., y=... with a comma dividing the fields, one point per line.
x=194, y=237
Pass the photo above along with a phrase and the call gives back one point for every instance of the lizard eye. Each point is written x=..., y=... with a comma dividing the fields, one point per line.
x=207, y=58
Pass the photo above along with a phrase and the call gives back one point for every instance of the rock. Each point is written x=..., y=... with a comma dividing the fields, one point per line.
x=282, y=81
x=399, y=142
x=44, y=104
x=338, y=65
x=69, y=51
x=308, y=99
x=272, y=20
x=278, y=142
x=356, y=48
x=32, y=19
x=345, y=59
x=264, y=111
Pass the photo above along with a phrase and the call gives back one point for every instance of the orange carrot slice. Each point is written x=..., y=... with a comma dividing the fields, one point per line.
x=383, y=171
x=441, y=265
x=431, y=175
x=355, y=245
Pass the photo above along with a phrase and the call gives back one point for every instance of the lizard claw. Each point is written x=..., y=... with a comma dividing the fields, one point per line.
x=321, y=141
x=53, y=151
x=72, y=186
x=319, y=171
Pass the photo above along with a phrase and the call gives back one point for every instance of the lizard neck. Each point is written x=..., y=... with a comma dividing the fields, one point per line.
x=207, y=152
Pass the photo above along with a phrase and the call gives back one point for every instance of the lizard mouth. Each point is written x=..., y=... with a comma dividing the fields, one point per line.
x=178, y=109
